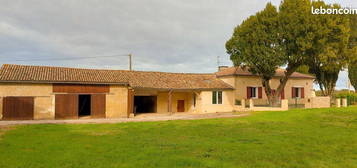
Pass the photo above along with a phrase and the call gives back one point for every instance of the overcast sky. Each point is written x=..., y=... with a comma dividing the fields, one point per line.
x=162, y=35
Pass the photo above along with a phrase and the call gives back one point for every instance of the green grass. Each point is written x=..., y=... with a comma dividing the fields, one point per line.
x=316, y=138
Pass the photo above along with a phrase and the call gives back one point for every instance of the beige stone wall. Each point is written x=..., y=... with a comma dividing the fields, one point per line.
x=242, y=82
x=0, y=108
x=227, y=105
x=117, y=102
x=13, y=89
x=318, y=102
x=44, y=108
x=162, y=101
x=229, y=80
x=43, y=101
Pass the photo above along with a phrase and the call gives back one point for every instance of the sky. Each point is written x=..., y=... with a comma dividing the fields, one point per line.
x=162, y=35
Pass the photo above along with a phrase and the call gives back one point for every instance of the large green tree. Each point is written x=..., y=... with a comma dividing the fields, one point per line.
x=329, y=51
x=352, y=67
x=270, y=39
x=255, y=45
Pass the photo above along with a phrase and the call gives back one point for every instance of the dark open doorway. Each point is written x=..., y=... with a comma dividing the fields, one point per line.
x=84, y=105
x=145, y=104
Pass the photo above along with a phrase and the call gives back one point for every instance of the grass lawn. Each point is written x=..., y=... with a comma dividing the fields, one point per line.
x=316, y=138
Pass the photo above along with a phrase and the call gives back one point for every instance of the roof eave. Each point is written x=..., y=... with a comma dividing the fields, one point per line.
x=64, y=82
x=181, y=89
x=312, y=77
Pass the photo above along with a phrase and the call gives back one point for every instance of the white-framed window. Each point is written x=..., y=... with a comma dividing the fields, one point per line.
x=297, y=92
x=217, y=97
x=254, y=92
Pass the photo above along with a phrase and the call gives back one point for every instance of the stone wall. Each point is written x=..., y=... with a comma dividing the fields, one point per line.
x=42, y=93
x=228, y=102
x=241, y=83
x=162, y=101
x=318, y=102
x=117, y=102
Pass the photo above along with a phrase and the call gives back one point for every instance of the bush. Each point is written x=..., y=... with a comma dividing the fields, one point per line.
x=351, y=97
x=238, y=102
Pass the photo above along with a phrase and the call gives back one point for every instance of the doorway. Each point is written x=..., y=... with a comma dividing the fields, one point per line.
x=145, y=104
x=18, y=108
x=84, y=105
x=180, y=105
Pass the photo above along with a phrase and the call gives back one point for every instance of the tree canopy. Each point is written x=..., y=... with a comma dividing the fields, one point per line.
x=271, y=39
x=255, y=45
x=295, y=38
x=329, y=51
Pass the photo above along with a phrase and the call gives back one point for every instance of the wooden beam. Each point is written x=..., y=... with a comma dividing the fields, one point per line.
x=130, y=102
x=169, y=101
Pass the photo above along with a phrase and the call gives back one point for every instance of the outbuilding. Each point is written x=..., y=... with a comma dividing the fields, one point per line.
x=43, y=92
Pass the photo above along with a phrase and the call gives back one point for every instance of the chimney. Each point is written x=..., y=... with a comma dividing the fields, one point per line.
x=221, y=68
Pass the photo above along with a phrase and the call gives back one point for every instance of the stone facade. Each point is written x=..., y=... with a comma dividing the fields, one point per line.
x=42, y=93
x=318, y=102
x=240, y=83
x=44, y=99
x=117, y=102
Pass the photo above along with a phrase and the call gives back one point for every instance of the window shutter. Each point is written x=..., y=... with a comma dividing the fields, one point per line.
x=249, y=93
x=302, y=93
x=214, y=97
x=260, y=92
x=293, y=95
x=282, y=94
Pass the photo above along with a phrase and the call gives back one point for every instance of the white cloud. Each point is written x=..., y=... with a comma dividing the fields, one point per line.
x=170, y=35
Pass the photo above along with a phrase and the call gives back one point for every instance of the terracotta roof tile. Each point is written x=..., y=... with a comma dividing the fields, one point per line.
x=244, y=72
x=136, y=79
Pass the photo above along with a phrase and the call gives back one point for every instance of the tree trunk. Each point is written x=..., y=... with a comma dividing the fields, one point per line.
x=289, y=71
x=274, y=98
x=267, y=90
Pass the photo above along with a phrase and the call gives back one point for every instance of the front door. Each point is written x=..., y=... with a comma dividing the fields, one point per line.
x=180, y=105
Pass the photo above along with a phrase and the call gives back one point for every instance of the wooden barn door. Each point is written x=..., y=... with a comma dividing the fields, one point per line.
x=98, y=105
x=66, y=106
x=18, y=108
x=180, y=105
x=131, y=94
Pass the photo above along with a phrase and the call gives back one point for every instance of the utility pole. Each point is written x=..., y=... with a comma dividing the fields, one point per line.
x=130, y=65
x=218, y=62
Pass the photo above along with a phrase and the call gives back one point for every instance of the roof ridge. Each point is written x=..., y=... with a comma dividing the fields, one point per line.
x=95, y=69
x=233, y=70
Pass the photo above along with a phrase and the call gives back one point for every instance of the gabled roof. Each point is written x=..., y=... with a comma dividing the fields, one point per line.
x=136, y=79
x=238, y=71
x=183, y=81
x=47, y=74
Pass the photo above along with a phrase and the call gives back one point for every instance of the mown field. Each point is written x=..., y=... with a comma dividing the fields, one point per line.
x=316, y=138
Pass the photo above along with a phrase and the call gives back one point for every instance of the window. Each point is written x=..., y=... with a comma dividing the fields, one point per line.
x=217, y=97
x=297, y=92
x=254, y=92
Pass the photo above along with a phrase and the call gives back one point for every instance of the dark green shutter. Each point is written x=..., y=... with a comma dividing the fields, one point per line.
x=214, y=97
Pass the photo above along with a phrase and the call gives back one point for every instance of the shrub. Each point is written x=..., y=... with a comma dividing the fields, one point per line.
x=351, y=97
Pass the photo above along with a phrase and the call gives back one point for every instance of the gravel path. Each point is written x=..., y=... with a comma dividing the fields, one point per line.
x=140, y=118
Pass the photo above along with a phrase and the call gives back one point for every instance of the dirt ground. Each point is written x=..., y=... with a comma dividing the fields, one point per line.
x=139, y=118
